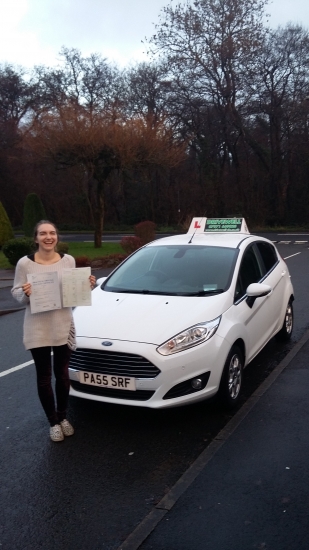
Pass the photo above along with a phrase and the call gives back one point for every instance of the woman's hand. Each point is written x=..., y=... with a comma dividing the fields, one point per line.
x=93, y=281
x=27, y=289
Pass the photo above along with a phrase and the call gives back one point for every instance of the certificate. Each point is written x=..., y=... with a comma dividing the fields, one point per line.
x=76, y=290
x=45, y=291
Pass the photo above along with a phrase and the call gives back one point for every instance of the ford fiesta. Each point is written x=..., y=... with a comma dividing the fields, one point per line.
x=178, y=320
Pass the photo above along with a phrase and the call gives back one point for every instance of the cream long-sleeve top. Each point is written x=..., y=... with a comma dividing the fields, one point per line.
x=49, y=328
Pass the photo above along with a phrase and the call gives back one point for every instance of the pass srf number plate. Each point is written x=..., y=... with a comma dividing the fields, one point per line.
x=107, y=381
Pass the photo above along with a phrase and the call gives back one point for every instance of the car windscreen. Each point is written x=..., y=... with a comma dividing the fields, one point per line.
x=186, y=270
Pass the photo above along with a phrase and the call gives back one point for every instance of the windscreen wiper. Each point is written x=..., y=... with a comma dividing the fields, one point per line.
x=126, y=291
x=206, y=292
x=143, y=291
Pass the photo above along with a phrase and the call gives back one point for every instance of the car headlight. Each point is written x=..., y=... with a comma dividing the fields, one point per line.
x=191, y=337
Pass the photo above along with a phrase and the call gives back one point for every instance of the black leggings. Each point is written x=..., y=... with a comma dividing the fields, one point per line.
x=43, y=364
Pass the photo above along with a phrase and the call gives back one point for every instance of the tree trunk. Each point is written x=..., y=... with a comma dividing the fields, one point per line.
x=99, y=215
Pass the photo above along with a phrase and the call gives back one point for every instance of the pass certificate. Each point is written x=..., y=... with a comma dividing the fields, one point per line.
x=76, y=290
x=45, y=291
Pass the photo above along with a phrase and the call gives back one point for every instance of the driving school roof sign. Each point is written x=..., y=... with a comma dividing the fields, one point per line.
x=197, y=225
x=218, y=225
x=226, y=225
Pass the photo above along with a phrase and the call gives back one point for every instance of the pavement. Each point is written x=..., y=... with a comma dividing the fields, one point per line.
x=249, y=488
x=8, y=304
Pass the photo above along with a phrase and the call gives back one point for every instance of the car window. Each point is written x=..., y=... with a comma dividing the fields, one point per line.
x=175, y=270
x=268, y=254
x=249, y=272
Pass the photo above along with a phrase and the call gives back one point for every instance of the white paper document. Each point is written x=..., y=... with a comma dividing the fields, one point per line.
x=45, y=291
x=76, y=290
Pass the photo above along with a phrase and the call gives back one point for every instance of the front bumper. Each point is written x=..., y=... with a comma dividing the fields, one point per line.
x=204, y=360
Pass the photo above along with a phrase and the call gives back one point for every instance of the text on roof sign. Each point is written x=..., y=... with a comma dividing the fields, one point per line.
x=223, y=224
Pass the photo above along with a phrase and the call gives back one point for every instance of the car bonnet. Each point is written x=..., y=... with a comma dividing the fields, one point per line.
x=149, y=318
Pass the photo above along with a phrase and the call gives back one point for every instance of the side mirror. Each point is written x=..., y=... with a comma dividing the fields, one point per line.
x=256, y=290
x=100, y=281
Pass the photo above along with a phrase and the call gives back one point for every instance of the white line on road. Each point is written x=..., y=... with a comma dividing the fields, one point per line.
x=287, y=257
x=13, y=369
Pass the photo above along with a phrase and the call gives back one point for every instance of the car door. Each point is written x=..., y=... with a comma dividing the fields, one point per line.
x=274, y=276
x=258, y=319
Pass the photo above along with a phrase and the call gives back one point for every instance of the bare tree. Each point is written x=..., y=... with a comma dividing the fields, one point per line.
x=147, y=92
x=282, y=83
x=100, y=146
x=211, y=49
x=90, y=82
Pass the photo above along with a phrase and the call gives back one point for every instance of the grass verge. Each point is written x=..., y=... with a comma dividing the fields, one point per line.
x=87, y=249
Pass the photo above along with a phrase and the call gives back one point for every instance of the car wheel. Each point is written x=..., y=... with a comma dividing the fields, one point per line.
x=286, y=330
x=231, y=380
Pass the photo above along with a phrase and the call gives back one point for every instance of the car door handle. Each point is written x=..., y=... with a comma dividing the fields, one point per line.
x=283, y=273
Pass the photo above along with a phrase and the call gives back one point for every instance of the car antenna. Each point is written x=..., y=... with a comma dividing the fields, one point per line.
x=191, y=239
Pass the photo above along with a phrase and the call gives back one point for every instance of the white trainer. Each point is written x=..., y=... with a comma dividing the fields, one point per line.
x=56, y=433
x=66, y=427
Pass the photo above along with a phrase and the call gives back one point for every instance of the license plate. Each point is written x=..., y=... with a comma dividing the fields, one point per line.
x=107, y=381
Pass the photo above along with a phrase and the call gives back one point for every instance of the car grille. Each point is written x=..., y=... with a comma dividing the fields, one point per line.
x=138, y=395
x=109, y=362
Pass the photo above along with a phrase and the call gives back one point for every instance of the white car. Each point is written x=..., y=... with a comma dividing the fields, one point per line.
x=180, y=318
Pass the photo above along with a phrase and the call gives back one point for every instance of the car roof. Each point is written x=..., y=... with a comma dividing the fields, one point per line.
x=229, y=240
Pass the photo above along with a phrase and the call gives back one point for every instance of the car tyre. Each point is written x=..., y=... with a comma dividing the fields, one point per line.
x=286, y=330
x=231, y=380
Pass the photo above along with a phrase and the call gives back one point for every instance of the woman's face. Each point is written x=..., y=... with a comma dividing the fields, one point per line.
x=47, y=237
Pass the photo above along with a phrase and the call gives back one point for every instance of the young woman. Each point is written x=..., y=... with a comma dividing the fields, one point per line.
x=50, y=330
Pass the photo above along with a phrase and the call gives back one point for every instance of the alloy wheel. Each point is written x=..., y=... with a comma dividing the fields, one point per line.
x=234, y=376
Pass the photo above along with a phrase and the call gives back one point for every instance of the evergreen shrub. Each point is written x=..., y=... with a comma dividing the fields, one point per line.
x=145, y=231
x=33, y=212
x=6, y=231
x=14, y=249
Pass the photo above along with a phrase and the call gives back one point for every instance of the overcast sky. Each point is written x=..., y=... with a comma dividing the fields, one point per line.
x=32, y=32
